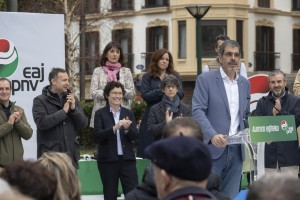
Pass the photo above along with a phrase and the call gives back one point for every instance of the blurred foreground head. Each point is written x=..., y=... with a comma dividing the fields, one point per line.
x=277, y=186
x=68, y=187
x=30, y=179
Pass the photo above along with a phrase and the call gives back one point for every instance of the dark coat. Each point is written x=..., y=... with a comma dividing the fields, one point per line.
x=156, y=119
x=286, y=153
x=56, y=130
x=145, y=190
x=151, y=94
x=196, y=192
x=107, y=139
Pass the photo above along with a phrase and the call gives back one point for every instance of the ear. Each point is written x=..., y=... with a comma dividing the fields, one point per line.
x=53, y=81
x=166, y=179
x=220, y=57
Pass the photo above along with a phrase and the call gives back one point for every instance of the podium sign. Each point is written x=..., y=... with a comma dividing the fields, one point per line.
x=272, y=128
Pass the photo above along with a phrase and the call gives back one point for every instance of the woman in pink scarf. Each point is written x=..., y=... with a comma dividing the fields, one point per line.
x=111, y=69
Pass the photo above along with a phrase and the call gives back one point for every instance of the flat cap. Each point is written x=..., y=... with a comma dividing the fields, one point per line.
x=183, y=157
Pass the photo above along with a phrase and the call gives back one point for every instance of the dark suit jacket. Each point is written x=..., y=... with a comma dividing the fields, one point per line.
x=107, y=139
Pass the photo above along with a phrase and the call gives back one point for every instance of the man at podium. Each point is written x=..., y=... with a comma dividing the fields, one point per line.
x=280, y=156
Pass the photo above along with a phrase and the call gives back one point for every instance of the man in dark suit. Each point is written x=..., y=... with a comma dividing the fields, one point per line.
x=221, y=107
x=115, y=129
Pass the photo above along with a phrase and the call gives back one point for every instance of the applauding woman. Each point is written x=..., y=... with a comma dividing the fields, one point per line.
x=169, y=108
x=115, y=130
x=161, y=64
x=112, y=62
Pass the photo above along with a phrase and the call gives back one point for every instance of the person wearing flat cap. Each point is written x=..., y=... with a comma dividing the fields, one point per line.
x=181, y=168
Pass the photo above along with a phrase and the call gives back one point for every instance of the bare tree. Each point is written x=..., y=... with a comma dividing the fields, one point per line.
x=71, y=11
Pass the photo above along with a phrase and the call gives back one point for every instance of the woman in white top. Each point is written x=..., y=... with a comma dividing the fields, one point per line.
x=111, y=69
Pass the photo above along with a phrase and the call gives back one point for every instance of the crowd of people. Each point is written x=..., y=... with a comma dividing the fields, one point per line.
x=187, y=145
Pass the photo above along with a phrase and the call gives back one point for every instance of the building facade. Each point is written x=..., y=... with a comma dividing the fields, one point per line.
x=267, y=30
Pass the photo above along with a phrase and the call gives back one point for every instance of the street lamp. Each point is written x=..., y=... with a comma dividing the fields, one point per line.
x=198, y=11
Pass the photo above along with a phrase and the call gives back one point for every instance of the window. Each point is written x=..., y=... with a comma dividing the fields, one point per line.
x=181, y=39
x=264, y=55
x=156, y=38
x=211, y=29
x=119, y=5
x=91, y=6
x=239, y=34
x=263, y=3
x=296, y=50
x=92, y=58
x=124, y=38
x=156, y=3
x=295, y=5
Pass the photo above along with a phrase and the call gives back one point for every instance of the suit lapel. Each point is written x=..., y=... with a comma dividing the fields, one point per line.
x=222, y=89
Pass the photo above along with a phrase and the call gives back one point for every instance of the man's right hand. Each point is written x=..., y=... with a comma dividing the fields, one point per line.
x=219, y=140
x=11, y=119
x=66, y=107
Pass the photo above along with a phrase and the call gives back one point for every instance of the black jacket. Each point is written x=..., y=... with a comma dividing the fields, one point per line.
x=196, y=192
x=107, y=139
x=145, y=190
x=156, y=119
x=286, y=153
x=56, y=130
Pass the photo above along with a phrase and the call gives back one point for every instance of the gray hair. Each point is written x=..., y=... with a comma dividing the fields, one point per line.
x=169, y=79
x=230, y=43
x=276, y=72
x=275, y=186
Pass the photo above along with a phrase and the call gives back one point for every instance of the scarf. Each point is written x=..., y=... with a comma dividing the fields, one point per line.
x=173, y=105
x=111, y=70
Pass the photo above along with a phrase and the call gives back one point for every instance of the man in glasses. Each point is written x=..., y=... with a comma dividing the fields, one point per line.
x=221, y=106
x=215, y=64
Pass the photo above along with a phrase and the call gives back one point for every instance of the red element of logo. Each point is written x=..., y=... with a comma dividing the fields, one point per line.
x=259, y=84
x=4, y=45
x=283, y=122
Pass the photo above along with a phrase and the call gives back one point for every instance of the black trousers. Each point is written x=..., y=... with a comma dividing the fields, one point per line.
x=111, y=172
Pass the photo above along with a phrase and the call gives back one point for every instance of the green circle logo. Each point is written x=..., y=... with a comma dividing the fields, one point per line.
x=9, y=58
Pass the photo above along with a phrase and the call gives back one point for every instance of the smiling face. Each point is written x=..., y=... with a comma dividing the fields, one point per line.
x=163, y=62
x=115, y=97
x=277, y=85
x=230, y=60
x=113, y=55
x=60, y=84
x=5, y=92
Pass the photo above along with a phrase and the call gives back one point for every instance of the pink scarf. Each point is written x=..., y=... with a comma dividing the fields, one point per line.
x=111, y=70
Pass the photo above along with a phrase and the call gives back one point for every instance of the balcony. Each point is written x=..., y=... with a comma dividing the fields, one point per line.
x=295, y=61
x=156, y=3
x=266, y=61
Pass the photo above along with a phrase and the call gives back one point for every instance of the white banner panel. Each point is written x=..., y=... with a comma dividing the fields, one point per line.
x=31, y=44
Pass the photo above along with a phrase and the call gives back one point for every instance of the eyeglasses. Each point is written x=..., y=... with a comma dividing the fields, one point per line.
x=117, y=93
x=170, y=86
x=231, y=54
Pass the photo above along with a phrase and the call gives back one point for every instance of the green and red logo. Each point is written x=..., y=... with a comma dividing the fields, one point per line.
x=284, y=125
x=8, y=58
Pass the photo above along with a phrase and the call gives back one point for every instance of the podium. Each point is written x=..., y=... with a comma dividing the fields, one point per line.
x=264, y=129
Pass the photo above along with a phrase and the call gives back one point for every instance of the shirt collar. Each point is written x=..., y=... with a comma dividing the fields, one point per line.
x=111, y=110
x=224, y=76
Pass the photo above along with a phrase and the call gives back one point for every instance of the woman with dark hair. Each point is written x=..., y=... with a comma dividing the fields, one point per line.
x=115, y=131
x=168, y=109
x=111, y=69
x=161, y=64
